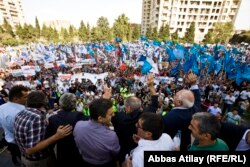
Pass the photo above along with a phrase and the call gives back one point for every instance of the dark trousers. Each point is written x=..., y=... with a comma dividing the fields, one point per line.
x=15, y=152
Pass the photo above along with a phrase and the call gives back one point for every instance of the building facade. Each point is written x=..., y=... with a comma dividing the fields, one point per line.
x=57, y=24
x=179, y=14
x=12, y=11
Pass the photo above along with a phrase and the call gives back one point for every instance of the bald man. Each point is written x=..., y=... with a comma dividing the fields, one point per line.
x=186, y=102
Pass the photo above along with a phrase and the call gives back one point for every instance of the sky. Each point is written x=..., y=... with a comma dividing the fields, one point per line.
x=77, y=10
x=90, y=10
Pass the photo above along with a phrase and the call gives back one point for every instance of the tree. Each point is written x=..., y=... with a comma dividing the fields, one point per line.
x=65, y=35
x=242, y=37
x=37, y=29
x=1, y=30
x=94, y=37
x=208, y=37
x=44, y=32
x=164, y=33
x=55, y=36
x=175, y=36
x=71, y=33
x=135, y=31
x=82, y=32
x=155, y=34
x=88, y=32
x=190, y=33
x=121, y=27
x=7, y=27
x=102, y=29
x=149, y=32
x=222, y=32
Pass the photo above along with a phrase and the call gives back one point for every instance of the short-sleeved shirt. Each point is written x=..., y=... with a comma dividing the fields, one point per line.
x=97, y=144
x=235, y=119
x=29, y=130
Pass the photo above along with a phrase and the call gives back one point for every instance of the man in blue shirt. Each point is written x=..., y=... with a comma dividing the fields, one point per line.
x=8, y=111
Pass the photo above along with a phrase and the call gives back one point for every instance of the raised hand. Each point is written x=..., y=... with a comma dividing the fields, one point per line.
x=107, y=92
x=191, y=78
x=150, y=80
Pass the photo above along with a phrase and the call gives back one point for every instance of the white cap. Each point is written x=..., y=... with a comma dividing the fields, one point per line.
x=180, y=80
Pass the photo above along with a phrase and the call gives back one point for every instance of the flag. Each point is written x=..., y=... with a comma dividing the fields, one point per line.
x=143, y=38
x=118, y=39
x=146, y=67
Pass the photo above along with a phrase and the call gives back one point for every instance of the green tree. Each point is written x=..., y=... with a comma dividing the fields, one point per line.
x=189, y=35
x=55, y=36
x=71, y=33
x=37, y=29
x=135, y=31
x=242, y=37
x=222, y=32
x=164, y=33
x=44, y=32
x=208, y=37
x=121, y=27
x=155, y=34
x=94, y=35
x=175, y=36
x=88, y=32
x=102, y=29
x=82, y=32
x=65, y=35
x=7, y=27
x=1, y=30
x=149, y=33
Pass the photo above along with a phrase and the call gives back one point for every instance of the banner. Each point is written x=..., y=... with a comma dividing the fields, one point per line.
x=17, y=73
x=64, y=77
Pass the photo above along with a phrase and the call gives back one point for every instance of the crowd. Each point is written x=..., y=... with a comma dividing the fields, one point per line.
x=104, y=105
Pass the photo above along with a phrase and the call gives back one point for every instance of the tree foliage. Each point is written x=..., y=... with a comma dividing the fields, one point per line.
x=7, y=28
x=241, y=37
x=222, y=32
x=174, y=36
x=121, y=27
x=37, y=29
x=208, y=37
x=164, y=33
x=190, y=33
x=82, y=32
x=149, y=32
x=102, y=29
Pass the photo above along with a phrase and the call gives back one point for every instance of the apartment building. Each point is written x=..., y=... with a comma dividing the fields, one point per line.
x=179, y=14
x=12, y=10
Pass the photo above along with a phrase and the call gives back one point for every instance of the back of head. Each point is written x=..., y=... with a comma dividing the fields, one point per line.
x=185, y=98
x=36, y=99
x=152, y=123
x=133, y=102
x=17, y=92
x=67, y=102
x=208, y=123
x=99, y=107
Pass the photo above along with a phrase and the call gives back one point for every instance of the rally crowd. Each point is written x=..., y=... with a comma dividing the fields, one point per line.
x=111, y=120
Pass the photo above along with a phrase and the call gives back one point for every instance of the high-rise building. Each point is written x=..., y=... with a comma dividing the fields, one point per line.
x=12, y=11
x=179, y=14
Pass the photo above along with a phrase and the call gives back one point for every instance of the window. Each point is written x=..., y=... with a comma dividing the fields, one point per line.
x=201, y=30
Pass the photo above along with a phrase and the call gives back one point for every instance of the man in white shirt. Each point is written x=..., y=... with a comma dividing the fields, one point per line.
x=228, y=103
x=149, y=137
x=215, y=110
x=8, y=111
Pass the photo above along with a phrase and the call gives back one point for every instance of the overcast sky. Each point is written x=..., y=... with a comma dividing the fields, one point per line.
x=90, y=10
